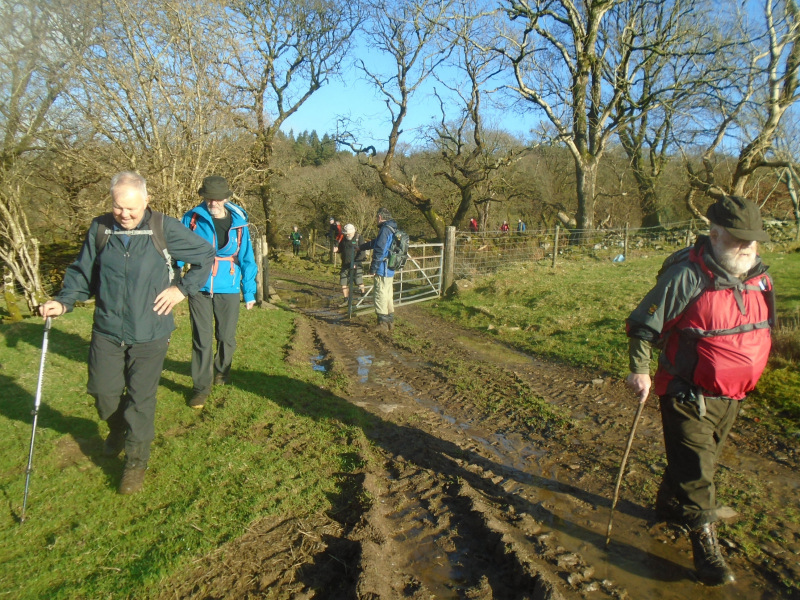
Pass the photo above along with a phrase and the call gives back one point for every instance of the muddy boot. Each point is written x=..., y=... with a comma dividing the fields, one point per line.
x=390, y=321
x=708, y=561
x=383, y=323
x=132, y=477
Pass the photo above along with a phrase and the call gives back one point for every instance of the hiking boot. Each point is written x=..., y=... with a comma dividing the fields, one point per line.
x=709, y=564
x=220, y=379
x=114, y=444
x=198, y=401
x=132, y=478
x=343, y=303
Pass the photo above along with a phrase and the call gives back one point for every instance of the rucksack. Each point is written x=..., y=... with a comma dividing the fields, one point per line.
x=398, y=249
x=156, y=233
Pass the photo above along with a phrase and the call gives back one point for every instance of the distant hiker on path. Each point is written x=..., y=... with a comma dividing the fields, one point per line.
x=384, y=276
x=521, y=226
x=214, y=310
x=710, y=312
x=504, y=227
x=352, y=256
x=296, y=237
x=473, y=225
x=135, y=292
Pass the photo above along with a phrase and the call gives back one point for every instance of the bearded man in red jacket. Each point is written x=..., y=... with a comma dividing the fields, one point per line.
x=710, y=313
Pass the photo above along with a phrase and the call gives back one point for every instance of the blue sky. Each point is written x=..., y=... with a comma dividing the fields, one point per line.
x=360, y=102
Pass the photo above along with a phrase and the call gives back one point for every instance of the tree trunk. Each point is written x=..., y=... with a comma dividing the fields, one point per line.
x=586, y=178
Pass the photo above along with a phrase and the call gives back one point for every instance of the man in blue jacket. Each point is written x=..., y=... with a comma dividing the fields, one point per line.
x=135, y=291
x=215, y=309
x=384, y=276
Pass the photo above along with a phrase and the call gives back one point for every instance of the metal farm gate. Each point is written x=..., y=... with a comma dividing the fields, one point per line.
x=420, y=279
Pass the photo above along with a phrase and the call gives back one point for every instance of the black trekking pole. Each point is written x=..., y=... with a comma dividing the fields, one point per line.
x=37, y=402
x=642, y=401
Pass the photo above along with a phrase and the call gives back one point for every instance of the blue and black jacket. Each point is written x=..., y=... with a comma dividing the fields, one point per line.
x=234, y=267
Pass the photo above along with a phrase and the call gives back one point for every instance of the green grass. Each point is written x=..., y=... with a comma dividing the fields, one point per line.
x=575, y=313
x=277, y=442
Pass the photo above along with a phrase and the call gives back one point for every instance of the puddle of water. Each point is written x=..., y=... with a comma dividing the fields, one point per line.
x=364, y=364
x=317, y=364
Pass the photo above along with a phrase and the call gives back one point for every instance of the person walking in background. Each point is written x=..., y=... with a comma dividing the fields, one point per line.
x=296, y=237
x=384, y=276
x=136, y=288
x=521, y=226
x=504, y=227
x=214, y=309
x=352, y=257
x=711, y=312
x=473, y=225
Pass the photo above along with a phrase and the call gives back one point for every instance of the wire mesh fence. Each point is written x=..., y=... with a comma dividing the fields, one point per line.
x=478, y=254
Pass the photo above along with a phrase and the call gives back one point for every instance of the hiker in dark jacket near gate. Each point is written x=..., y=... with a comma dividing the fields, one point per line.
x=711, y=315
x=215, y=308
x=134, y=296
x=384, y=276
x=352, y=256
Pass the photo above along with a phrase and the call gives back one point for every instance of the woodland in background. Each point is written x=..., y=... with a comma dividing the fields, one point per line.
x=638, y=112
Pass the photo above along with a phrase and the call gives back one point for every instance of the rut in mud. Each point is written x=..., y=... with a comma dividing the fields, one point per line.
x=476, y=497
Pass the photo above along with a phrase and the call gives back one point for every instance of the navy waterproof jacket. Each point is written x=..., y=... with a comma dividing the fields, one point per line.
x=380, y=249
x=125, y=280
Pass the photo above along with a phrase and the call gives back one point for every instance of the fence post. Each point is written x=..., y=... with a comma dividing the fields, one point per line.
x=259, y=282
x=264, y=265
x=688, y=234
x=555, y=246
x=449, y=259
x=625, y=246
x=312, y=238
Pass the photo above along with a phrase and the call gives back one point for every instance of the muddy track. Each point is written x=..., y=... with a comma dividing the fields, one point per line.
x=477, y=497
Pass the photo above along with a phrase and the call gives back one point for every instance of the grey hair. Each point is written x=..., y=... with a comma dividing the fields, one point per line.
x=129, y=179
x=384, y=214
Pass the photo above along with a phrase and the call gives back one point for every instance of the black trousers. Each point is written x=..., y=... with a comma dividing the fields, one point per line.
x=123, y=379
x=693, y=445
x=212, y=316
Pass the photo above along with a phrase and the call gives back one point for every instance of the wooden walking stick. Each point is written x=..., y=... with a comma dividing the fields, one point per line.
x=642, y=400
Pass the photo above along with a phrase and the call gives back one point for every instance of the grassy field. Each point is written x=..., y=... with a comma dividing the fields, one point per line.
x=278, y=442
x=575, y=313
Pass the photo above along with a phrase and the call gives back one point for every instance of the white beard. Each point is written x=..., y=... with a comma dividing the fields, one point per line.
x=735, y=264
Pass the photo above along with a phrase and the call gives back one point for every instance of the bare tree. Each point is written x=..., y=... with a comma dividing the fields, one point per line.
x=754, y=110
x=281, y=53
x=472, y=155
x=150, y=88
x=40, y=43
x=695, y=58
x=574, y=67
x=407, y=33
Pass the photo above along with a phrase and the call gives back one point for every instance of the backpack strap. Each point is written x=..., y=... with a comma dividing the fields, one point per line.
x=104, y=231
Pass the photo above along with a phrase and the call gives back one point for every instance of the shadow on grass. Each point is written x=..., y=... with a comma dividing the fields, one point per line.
x=430, y=452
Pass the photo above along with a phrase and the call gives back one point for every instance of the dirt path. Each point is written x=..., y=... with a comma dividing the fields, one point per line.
x=477, y=498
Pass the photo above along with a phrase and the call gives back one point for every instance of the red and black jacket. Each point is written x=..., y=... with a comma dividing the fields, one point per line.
x=713, y=329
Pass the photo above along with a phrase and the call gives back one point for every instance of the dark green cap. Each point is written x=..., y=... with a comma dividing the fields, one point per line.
x=740, y=217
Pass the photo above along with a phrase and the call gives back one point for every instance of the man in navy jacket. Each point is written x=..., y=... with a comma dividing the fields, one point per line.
x=384, y=276
x=215, y=308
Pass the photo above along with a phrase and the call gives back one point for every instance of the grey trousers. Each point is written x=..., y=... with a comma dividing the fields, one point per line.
x=212, y=317
x=123, y=379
